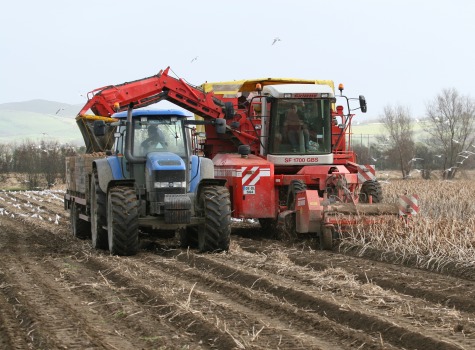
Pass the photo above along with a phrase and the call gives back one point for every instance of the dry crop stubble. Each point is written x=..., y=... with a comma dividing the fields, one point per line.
x=441, y=236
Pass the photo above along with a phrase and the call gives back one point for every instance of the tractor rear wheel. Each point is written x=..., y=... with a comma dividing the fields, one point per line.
x=122, y=221
x=371, y=188
x=80, y=229
x=98, y=214
x=215, y=206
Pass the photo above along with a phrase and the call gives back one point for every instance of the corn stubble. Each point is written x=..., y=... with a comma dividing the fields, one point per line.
x=441, y=235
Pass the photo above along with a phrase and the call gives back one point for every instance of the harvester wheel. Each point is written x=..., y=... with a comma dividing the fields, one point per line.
x=295, y=186
x=215, y=204
x=123, y=221
x=80, y=229
x=270, y=228
x=371, y=188
x=326, y=238
x=98, y=214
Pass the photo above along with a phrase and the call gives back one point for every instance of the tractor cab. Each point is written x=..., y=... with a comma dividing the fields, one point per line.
x=153, y=149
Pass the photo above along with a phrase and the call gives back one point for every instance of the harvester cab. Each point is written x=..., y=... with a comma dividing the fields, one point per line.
x=297, y=120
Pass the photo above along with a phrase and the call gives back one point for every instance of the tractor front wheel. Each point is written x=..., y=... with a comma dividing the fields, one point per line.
x=215, y=206
x=123, y=221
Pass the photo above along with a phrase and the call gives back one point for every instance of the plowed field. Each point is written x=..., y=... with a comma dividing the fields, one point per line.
x=56, y=292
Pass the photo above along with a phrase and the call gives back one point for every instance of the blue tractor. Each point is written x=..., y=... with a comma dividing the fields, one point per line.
x=149, y=182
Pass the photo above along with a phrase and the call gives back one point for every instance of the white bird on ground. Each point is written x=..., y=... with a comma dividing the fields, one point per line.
x=450, y=169
x=414, y=160
x=276, y=39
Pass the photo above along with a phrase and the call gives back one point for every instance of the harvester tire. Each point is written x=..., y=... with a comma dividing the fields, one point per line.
x=122, y=221
x=371, y=188
x=80, y=229
x=295, y=186
x=98, y=214
x=215, y=206
x=270, y=228
x=326, y=238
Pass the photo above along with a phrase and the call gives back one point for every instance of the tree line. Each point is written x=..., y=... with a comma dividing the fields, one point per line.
x=449, y=146
x=37, y=165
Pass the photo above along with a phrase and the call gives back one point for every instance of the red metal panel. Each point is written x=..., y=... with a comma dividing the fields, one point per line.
x=251, y=183
x=309, y=212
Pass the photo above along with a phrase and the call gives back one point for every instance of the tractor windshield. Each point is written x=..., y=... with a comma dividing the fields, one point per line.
x=162, y=135
x=300, y=126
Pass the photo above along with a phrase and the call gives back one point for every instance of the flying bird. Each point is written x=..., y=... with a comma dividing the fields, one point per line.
x=194, y=59
x=276, y=39
x=59, y=110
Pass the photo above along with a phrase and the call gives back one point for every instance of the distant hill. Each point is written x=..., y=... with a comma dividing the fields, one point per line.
x=39, y=119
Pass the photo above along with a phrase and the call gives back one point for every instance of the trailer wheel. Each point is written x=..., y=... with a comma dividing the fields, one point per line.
x=98, y=214
x=80, y=229
x=215, y=204
x=371, y=188
x=123, y=221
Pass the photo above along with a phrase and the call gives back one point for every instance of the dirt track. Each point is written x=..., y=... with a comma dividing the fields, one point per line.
x=56, y=292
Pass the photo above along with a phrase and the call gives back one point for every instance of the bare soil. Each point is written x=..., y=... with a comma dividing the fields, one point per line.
x=56, y=292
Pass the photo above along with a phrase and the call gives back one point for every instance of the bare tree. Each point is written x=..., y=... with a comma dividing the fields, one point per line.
x=6, y=160
x=397, y=122
x=451, y=126
x=27, y=161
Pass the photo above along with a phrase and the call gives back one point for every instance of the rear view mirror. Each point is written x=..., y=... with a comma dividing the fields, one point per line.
x=363, y=104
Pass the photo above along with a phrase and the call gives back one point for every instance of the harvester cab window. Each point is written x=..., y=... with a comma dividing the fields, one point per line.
x=300, y=126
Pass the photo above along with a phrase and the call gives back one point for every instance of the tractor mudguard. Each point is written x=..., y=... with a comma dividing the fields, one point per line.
x=208, y=182
x=201, y=168
x=108, y=169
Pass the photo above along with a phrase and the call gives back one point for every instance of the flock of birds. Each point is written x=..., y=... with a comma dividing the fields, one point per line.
x=26, y=209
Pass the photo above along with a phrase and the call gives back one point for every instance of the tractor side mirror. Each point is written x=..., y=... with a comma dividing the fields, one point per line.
x=220, y=125
x=99, y=128
x=363, y=104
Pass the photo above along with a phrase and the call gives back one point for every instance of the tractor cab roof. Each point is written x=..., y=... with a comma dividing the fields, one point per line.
x=151, y=112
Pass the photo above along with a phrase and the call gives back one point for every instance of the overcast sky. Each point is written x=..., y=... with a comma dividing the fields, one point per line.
x=393, y=52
